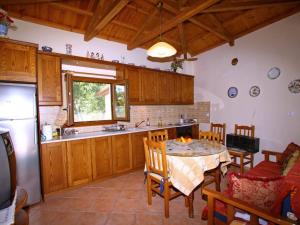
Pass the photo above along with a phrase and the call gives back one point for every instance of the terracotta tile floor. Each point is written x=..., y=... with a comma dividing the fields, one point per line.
x=117, y=201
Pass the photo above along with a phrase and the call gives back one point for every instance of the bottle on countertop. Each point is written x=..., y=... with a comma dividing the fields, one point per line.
x=159, y=122
x=181, y=119
x=148, y=122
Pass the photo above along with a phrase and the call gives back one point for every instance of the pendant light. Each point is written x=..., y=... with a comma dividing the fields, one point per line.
x=161, y=49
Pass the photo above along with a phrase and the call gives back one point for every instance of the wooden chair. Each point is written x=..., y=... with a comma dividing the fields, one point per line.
x=233, y=205
x=243, y=156
x=208, y=135
x=211, y=176
x=219, y=129
x=157, y=175
x=159, y=135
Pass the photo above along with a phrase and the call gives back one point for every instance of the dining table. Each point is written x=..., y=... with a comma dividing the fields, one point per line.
x=187, y=163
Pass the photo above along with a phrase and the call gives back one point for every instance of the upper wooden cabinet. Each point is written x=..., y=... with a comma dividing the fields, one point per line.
x=122, y=154
x=101, y=157
x=49, y=80
x=149, y=86
x=17, y=61
x=134, y=85
x=187, y=89
x=54, y=166
x=79, y=162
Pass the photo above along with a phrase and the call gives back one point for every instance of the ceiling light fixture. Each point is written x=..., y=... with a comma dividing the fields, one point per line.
x=161, y=49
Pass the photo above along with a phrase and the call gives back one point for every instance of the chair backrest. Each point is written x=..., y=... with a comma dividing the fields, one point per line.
x=160, y=135
x=244, y=130
x=155, y=154
x=208, y=135
x=219, y=128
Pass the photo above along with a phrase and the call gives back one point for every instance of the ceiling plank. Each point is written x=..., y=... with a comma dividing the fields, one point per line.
x=247, y=31
x=221, y=28
x=148, y=20
x=72, y=8
x=224, y=7
x=179, y=18
x=102, y=16
x=14, y=2
x=171, y=8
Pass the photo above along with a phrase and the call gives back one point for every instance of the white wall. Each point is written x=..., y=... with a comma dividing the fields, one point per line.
x=57, y=39
x=275, y=112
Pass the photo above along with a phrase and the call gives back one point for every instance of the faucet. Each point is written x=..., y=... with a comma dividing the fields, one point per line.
x=137, y=124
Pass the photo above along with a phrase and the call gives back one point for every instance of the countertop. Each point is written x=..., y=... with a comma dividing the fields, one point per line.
x=102, y=133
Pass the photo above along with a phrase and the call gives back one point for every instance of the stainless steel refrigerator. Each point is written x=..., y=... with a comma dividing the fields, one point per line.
x=18, y=115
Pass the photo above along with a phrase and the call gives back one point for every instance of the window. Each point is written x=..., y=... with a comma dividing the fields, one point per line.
x=96, y=101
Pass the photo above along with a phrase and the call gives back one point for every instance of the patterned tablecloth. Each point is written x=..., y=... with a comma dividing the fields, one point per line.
x=187, y=162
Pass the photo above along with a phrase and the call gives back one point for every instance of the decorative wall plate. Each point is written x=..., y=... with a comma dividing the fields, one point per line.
x=232, y=92
x=254, y=91
x=234, y=61
x=294, y=86
x=273, y=73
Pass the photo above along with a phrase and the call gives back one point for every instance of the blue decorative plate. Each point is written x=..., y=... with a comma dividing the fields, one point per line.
x=232, y=92
x=274, y=73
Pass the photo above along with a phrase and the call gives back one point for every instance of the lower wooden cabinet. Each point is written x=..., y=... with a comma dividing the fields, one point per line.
x=79, y=162
x=195, y=131
x=101, y=157
x=138, y=153
x=172, y=133
x=122, y=154
x=54, y=166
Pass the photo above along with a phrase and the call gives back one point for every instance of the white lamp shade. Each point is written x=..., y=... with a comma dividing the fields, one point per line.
x=161, y=50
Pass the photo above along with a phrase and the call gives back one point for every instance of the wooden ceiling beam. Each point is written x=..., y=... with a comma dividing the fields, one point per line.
x=224, y=7
x=171, y=8
x=102, y=16
x=148, y=20
x=182, y=38
x=179, y=18
x=14, y=2
x=221, y=28
x=247, y=31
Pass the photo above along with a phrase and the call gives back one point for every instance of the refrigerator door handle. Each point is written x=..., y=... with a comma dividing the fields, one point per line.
x=34, y=106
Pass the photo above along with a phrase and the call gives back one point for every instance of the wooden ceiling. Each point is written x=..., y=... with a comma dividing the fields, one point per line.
x=192, y=26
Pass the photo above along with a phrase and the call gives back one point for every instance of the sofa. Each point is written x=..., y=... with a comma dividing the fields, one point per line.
x=270, y=190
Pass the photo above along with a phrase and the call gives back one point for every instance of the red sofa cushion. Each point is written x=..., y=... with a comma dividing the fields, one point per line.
x=259, y=191
x=265, y=169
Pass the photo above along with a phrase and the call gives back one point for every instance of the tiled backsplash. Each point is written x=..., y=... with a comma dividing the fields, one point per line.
x=55, y=116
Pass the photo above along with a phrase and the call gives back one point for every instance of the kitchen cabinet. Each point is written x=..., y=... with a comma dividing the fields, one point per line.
x=134, y=83
x=101, y=157
x=79, y=162
x=187, y=89
x=122, y=154
x=149, y=86
x=163, y=83
x=17, y=61
x=49, y=80
x=172, y=133
x=138, y=152
x=54, y=166
x=195, y=131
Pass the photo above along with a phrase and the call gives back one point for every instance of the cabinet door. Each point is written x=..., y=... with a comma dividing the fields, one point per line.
x=177, y=99
x=17, y=62
x=79, y=162
x=122, y=154
x=138, y=152
x=49, y=80
x=101, y=157
x=134, y=85
x=164, y=87
x=195, y=131
x=172, y=133
x=54, y=166
x=187, y=89
x=149, y=86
